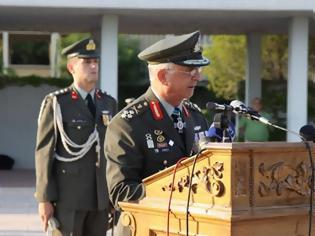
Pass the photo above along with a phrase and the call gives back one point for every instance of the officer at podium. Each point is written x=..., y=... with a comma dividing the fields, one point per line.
x=157, y=129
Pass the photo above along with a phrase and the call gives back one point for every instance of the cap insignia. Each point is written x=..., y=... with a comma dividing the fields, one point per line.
x=90, y=46
x=198, y=47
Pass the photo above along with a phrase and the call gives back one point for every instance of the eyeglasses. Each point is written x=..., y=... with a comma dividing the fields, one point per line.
x=196, y=71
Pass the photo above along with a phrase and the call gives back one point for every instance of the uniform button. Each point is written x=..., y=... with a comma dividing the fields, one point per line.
x=79, y=127
x=64, y=171
x=165, y=162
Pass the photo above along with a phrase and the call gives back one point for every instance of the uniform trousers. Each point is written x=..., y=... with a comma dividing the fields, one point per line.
x=81, y=222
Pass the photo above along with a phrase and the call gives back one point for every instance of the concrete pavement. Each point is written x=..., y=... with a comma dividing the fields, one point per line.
x=18, y=208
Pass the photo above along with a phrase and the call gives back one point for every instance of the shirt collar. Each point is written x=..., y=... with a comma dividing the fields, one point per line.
x=168, y=107
x=84, y=93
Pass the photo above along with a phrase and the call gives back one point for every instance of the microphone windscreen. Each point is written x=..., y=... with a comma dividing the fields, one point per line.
x=308, y=132
x=210, y=105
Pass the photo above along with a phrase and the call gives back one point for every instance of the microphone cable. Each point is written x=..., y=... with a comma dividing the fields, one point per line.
x=310, y=216
x=171, y=195
x=190, y=186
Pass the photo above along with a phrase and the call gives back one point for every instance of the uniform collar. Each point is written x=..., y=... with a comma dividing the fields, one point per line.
x=168, y=107
x=84, y=93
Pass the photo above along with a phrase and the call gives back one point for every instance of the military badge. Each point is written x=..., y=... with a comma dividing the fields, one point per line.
x=90, y=46
x=149, y=139
x=161, y=145
x=160, y=138
x=106, y=117
x=158, y=132
x=171, y=143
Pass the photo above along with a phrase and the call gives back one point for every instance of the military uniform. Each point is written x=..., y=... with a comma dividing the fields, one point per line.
x=70, y=162
x=143, y=139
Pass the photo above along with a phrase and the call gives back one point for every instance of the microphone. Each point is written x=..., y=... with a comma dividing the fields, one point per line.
x=218, y=107
x=307, y=132
x=241, y=108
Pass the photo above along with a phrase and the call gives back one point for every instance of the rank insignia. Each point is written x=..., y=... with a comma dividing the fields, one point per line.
x=127, y=114
x=106, y=117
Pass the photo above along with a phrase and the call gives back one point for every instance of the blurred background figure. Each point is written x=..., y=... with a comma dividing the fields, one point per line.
x=251, y=130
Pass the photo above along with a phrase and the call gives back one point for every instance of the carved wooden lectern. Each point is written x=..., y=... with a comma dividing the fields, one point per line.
x=238, y=189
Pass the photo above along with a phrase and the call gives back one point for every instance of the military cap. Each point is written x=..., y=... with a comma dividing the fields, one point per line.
x=182, y=50
x=85, y=48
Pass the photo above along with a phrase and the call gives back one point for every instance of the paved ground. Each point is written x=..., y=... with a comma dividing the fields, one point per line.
x=18, y=209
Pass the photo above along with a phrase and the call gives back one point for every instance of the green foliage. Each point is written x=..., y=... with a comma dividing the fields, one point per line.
x=227, y=68
x=130, y=68
x=274, y=56
x=132, y=77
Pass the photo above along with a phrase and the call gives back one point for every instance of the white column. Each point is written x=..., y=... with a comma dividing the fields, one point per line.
x=109, y=55
x=253, y=68
x=297, y=76
x=54, y=55
x=5, y=51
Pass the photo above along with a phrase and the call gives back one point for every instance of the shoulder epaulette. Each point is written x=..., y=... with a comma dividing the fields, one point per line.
x=99, y=94
x=134, y=109
x=59, y=92
x=191, y=105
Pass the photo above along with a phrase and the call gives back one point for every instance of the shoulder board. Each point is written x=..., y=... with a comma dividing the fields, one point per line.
x=102, y=94
x=191, y=106
x=59, y=92
x=134, y=110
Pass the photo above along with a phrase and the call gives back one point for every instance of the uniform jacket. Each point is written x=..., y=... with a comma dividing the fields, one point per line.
x=78, y=184
x=141, y=140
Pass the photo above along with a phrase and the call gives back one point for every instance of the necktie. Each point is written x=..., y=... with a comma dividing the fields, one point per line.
x=179, y=124
x=90, y=104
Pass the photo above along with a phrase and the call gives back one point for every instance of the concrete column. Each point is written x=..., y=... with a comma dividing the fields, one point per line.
x=253, y=68
x=5, y=51
x=54, y=55
x=297, y=76
x=109, y=55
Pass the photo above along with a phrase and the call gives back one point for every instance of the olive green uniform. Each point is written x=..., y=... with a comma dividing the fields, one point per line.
x=78, y=185
x=140, y=141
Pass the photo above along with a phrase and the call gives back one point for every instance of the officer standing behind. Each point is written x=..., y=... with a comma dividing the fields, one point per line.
x=69, y=157
x=157, y=129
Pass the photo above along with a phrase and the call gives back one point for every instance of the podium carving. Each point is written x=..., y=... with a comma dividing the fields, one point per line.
x=238, y=189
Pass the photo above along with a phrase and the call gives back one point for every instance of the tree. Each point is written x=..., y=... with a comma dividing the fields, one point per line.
x=227, y=68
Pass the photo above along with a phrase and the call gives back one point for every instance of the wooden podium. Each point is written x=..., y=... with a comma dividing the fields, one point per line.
x=239, y=189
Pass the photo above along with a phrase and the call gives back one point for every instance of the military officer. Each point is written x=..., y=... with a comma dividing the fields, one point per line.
x=157, y=129
x=70, y=163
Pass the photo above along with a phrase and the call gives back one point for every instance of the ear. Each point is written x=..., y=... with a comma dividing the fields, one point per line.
x=161, y=75
x=70, y=67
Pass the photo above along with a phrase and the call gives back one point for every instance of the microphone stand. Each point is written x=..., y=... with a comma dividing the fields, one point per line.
x=223, y=123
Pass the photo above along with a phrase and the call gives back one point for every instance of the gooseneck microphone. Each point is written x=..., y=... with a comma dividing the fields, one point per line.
x=218, y=107
x=241, y=109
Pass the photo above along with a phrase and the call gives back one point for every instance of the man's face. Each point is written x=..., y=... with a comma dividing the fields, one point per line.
x=181, y=81
x=84, y=71
x=257, y=105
